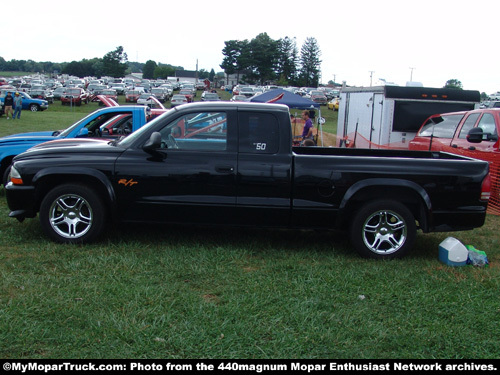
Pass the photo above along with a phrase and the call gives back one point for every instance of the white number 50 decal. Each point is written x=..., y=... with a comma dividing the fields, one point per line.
x=260, y=146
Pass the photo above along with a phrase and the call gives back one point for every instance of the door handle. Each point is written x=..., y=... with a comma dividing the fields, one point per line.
x=224, y=169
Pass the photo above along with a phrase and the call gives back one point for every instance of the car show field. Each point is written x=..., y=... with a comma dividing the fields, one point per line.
x=187, y=292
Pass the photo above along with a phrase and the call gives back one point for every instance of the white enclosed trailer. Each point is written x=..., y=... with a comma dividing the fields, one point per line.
x=390, y=116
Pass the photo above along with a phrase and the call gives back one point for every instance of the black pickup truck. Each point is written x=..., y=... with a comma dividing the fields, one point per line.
x=221, y=163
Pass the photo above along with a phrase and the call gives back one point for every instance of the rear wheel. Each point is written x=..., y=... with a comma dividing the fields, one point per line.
x=383, y=229
x=72, y=214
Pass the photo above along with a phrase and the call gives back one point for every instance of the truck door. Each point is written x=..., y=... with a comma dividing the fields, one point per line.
x=191, y=180
x=264, y=171
x=486, y=121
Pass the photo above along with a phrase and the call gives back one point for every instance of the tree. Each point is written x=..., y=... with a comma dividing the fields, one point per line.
x=310, y=63
x=211, y=75
x=236, y=57
x=453, y=84
x=287, y=61
x=164, y=71
x=263, y=58
x=149, y=69
x=115, y=63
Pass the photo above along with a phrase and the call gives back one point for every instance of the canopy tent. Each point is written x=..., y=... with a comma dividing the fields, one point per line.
x=280, y=96
x=288, y=98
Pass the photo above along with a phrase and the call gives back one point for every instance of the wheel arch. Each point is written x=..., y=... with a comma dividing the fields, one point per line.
x=46, y=179
x=406, y=192
x=4, y=164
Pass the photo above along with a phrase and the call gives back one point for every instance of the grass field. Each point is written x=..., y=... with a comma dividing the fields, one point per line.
x=187, y=292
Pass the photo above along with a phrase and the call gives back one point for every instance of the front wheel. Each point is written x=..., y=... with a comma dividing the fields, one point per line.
x=383, y=229
x=72, y=214
x=34, y=108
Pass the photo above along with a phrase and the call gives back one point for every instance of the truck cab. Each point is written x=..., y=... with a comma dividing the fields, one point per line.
x=465, y=132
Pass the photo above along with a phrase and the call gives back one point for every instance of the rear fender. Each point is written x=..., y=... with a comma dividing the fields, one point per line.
x=360, y=192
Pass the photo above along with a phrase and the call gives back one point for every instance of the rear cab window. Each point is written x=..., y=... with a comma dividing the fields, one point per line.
x=258, y=133
x=441, y=126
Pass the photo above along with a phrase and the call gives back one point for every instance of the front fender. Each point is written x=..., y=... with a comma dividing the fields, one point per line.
x=81, y=174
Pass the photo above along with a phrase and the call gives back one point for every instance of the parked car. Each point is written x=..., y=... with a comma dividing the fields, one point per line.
x=188, y=93
x=247, y=91
x=189, y=86
x=470, y=133
x=43, y=94
x=160, y=94
x=318, y=97
x=474, y=134
x=333, y=104
x=120, y=88
x=145, y=99
x=59, y=92
x=24, y=87
x=178, y=99
x=76, y=96
x=34, y=105
x=240, y=98
x=109, y=93
x=210, y=97
x=132, y=96
x=232, y=164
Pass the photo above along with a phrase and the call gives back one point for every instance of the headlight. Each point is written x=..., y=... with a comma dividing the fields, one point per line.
x=15, y=176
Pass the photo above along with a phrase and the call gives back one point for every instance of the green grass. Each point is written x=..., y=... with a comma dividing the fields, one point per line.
x=187, y=292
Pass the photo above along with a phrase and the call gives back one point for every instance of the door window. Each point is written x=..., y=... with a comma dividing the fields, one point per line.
x=487, y=123
x=468, y=125
x=199, y=131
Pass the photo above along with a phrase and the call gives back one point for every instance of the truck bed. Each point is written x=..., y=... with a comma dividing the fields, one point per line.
x=360, y=152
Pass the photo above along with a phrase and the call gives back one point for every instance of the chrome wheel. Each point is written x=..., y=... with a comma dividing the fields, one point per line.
x=73, y=213
x=384, y=232
x=383, y=229
x=70, y=216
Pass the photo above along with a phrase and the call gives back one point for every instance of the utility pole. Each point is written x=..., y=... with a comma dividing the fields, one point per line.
x=411, y=74
x=371, y=76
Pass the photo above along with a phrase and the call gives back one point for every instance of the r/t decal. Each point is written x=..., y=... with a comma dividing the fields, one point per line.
x=126, y=182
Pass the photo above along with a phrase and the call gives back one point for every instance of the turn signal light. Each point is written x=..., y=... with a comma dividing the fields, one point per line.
x=15, y=177
x=486, y=188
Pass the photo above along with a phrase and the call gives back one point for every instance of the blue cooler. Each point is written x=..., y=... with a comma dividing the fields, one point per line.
x=452, y=252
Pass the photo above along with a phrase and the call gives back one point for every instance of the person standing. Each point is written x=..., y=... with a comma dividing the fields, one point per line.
x=18, y=106
x=8, y=103
x=307, y=131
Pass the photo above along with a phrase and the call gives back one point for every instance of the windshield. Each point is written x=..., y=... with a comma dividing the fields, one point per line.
x=93, y=121
x=126, y=142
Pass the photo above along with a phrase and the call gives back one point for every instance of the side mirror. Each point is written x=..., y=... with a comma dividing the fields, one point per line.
x=84, y=132
x=153, y=143
x=475, y=135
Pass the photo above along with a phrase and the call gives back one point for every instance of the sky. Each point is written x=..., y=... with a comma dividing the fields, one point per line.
x=362, y=42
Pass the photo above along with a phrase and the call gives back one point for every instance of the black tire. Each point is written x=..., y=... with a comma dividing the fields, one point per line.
x=72, y=214
x=383, y=229
x=34, y=108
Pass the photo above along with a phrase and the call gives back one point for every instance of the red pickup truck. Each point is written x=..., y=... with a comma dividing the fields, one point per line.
x=469, y=133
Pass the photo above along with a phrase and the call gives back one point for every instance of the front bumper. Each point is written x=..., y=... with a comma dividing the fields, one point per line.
x=21, y=201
